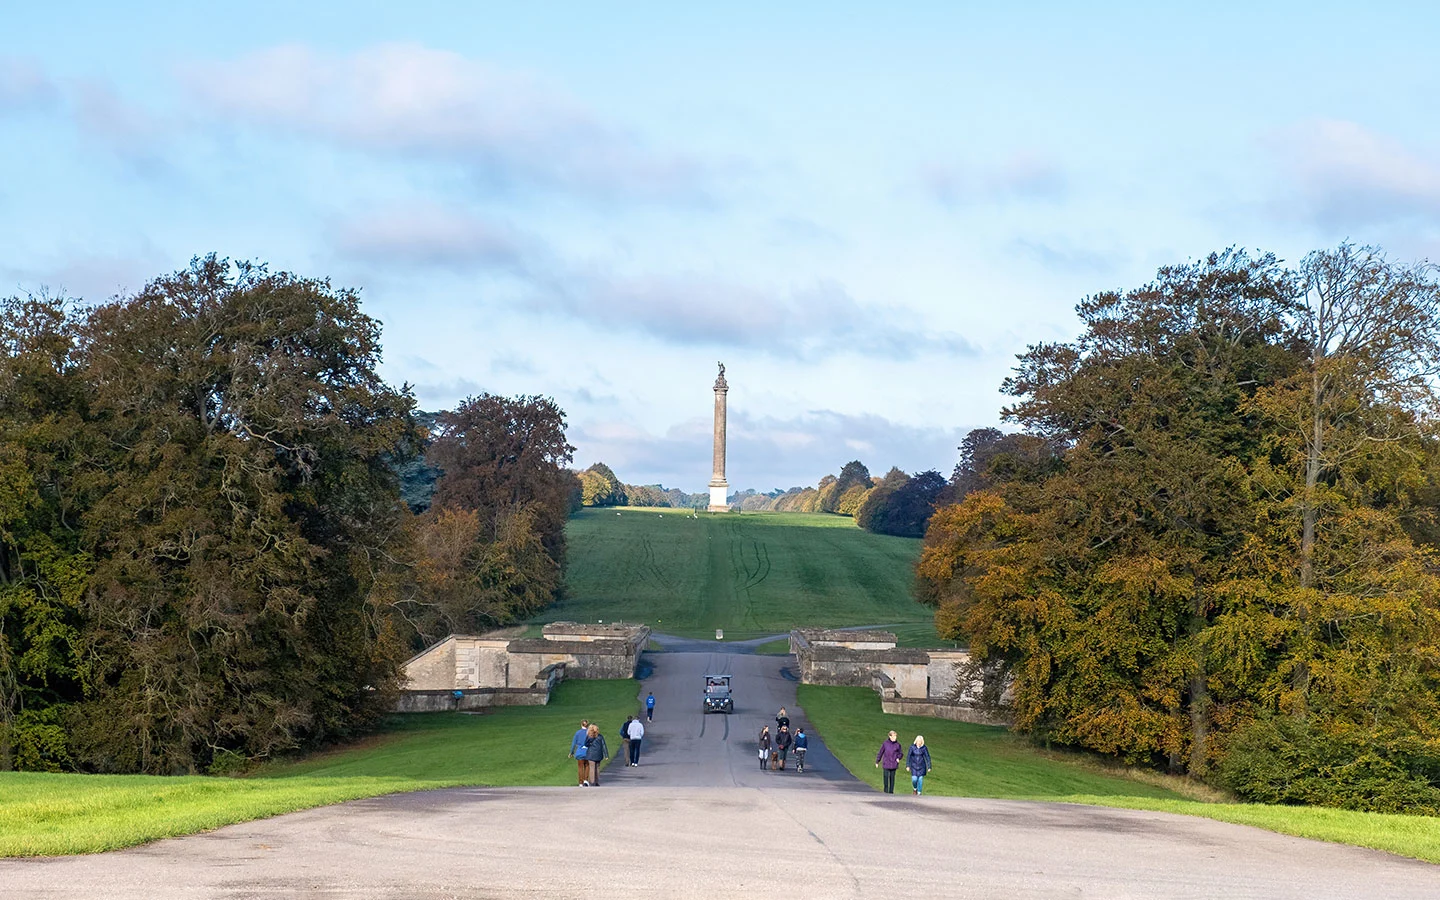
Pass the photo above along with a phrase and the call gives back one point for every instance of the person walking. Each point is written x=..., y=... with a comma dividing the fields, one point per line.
x=802, y=743
x=625, y=739
x=650, y=708
x=637, y=734
x=595, y=753
x=577, y=753
x=781, y=720
x=917, y=763
x=764, y=747
x=889, y=759
x=782, y=745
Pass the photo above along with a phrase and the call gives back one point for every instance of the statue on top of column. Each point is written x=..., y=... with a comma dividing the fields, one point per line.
x=720, y=382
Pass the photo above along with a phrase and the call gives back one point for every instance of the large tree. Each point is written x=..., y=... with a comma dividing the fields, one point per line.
x=1182, y=573
x=244, y=498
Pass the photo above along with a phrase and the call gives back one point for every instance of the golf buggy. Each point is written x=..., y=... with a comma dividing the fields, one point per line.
x=717, y=694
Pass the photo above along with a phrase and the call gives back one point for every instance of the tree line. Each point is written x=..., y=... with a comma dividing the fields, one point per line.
x=600, y=486
x=1213, y=546
x=205, y=557
x=895, y=504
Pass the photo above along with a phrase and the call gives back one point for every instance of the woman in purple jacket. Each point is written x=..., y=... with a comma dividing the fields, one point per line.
x=889, y=759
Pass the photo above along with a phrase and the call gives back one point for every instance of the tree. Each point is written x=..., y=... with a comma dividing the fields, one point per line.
x=599, y=486
x=833, y=491
x=901, y=505
x=469, y=575
x=1157, y=590
x=44, y=569
x=244, y=495
x=1369, y=333
x=500, y=454
x=1091, y=580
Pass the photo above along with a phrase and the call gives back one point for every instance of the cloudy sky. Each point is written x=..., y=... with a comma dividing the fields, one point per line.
x=864, y=213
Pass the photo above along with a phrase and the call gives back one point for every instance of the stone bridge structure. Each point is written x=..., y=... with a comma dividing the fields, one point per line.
x=474, y=671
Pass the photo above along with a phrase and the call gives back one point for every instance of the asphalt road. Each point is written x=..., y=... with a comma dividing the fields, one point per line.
x=699, y=818
x=685, y=747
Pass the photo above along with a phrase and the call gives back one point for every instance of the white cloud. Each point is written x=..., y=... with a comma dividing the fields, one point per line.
x=1342, y=175
x=425, y=235
x=691, y=309
x=505, y=128
x=90, y=276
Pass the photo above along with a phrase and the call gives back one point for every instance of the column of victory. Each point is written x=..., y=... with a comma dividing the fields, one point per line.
x=719, y=487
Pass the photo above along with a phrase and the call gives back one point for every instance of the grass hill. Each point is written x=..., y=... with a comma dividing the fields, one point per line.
x=750, y=574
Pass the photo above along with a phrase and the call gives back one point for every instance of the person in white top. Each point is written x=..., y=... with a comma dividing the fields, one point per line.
x=637, y=733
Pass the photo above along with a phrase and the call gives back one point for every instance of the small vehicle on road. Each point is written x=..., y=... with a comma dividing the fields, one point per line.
x=717, y=694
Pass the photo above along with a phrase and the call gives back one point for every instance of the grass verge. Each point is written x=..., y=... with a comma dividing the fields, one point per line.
x=777, y=647
x=56, y=814
x=976, y=761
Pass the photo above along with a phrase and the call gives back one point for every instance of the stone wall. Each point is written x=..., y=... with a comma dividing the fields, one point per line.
x=477, y=665
x=942, y=709
x=937, y=683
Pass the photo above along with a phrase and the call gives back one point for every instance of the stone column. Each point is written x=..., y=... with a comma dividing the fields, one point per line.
x=719, y=487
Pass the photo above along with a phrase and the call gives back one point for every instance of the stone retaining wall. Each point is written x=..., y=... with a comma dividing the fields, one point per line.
x=913, y=682
x=488, y=670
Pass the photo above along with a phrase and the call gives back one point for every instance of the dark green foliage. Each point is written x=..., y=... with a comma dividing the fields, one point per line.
x=901, y=506
x=417, y=477
x=200, y=486
x=1280, y=759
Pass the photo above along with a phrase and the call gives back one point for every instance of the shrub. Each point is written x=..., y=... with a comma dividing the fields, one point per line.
x=38, y=741
x=1285, y=760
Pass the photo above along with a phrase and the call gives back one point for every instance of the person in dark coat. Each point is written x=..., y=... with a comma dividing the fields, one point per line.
x=595, y=753
x=764, y=746
x=625, y=738
x=888, y=759
x=917, y=763
x=781, y=720
x=782, y=744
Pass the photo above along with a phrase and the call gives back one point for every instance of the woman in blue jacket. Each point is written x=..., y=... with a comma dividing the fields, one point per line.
x=917, y=763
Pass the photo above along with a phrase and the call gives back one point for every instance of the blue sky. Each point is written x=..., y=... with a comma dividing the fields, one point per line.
x=865, y=213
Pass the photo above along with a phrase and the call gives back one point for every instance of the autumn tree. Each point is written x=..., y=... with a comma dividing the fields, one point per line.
x=1183, y=572
x=500, y=454
x=1093, y=581
x=842, y=488
x=599, y=486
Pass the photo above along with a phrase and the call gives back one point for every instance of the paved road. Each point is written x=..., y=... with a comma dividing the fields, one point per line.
x=699, y=818
x=643, y=842
x=686, y=747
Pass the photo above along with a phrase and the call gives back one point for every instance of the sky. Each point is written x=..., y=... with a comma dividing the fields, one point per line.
x=864, y=212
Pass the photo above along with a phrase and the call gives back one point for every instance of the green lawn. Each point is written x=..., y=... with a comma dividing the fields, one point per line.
x=748, y=573
x=976, y=761
x=43, y=814
x=777, y=647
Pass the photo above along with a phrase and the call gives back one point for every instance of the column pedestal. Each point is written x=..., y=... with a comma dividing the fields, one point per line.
x=719, y=498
